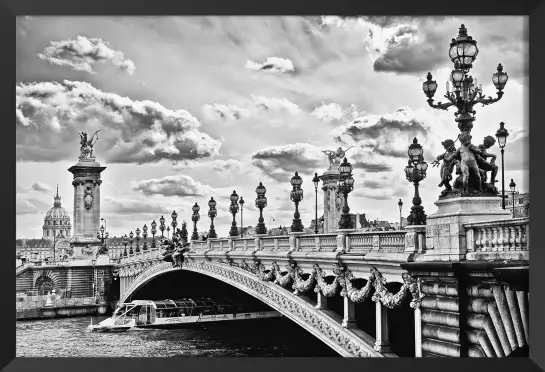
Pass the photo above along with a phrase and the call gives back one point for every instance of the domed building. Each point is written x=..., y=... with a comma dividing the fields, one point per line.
x=57, y=221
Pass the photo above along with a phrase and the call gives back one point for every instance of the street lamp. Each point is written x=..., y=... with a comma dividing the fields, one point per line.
x=296, y=195
x=346, y=185
x=153, y=232
x=125, y=242
x=316, y=181
x=400, y=204
x=512, y=186
x=260, y=203
x=271, y=218
x=131, y=235
x=195, y=217
x=162, y=227
x=502, y=135
x=465, y=93
x=145, y=236
x=137, y=240
x=174, y=223
x=168, y=232
x=241, y=202
x=212, y=213
x=415, y=172
x=103, y=236
x=233, y=209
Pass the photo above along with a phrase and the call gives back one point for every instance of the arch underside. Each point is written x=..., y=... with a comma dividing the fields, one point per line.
x=331, y=332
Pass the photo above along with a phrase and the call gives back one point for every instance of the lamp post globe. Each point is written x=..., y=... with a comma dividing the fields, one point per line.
x=131, y=235
x=137, y=240
x=162, y=226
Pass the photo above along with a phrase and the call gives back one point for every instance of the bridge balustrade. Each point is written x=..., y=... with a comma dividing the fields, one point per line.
x=508, y=239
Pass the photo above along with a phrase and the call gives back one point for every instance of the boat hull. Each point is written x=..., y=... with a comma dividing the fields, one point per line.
x=187, y=321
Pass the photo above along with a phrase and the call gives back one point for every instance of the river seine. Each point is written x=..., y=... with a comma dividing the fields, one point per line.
x=68, y=337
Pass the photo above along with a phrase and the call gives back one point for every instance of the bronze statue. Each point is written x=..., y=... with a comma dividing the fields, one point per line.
x=467, y=155
x=447, y=166
x=335, y=157
x=485, y=166
x=86, y=149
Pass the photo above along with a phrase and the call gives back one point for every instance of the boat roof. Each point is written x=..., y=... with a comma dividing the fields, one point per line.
x=183, y=303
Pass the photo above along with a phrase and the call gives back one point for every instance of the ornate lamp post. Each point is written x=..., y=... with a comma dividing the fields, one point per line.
x=145, y=236
x=260, y=203
x=195, y=218
x=296, y=195
x=125, y=242
x=103, y=236
x=415, y=172
x=174, y=223
x=465, y=93
x=346, y=185
x=512, y=186
x=162, y=226
x=212, y=213
x=168, y=232
x=153, y=232
x=233, y=209
x=137, y=240
x=184, y=232
x=400, y=204
x=316, y=181
x=241, y=202
x=131, y=235
x=501, y=135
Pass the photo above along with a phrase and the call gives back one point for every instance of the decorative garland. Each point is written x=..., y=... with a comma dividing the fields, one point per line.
x=328, y=290
x=299, y=284
x=283, y=279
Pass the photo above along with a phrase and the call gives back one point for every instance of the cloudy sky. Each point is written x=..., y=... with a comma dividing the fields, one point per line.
x=195, y=107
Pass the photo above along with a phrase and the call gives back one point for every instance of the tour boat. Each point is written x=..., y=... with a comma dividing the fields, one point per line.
x=175, y=313
x=113, y=324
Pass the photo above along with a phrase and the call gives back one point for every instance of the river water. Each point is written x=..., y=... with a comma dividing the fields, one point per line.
x=67, y=337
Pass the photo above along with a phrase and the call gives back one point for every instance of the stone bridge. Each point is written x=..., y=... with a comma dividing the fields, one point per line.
x=474, y=306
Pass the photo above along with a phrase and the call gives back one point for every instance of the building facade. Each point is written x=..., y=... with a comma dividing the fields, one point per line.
x=521, y=203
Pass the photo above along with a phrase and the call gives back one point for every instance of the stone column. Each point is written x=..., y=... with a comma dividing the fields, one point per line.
x=331, y=213
x=417, y=332
x=381, y=344
x=86, y=203
x=349, y=312
x=322, y=301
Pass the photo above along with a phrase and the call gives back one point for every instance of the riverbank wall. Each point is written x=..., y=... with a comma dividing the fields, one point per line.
x=61, y=308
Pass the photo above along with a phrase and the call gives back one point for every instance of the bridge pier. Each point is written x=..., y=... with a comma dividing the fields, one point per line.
x=349, y=312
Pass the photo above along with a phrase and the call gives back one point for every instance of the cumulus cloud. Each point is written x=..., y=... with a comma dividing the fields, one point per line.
x=40, y=186
x=132, y=207
x=82, y=53
x=273, y=64
x=250, y=108
x=386, y=135
x=49, y=116
x=30, y=206
x=333, y=111
x=179, y=185
x=281, y=162
x=517, y=151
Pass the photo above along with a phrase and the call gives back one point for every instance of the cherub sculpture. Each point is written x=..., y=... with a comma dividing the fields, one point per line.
x=335, y=157
x=467, y=155
x=485, y=166
x=447, y=166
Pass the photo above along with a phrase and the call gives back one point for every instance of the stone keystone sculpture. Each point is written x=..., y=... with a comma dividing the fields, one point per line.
x=86, y=149
x=335, y=157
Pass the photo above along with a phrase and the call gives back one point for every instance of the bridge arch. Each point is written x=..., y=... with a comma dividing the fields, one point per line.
x=45, y=280
x=344, y=341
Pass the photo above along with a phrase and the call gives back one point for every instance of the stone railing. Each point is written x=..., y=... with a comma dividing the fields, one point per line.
x=383, y=241
x=498, y=240
x=19, y=269
x=62, y=302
